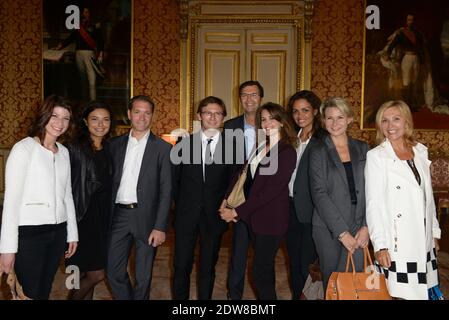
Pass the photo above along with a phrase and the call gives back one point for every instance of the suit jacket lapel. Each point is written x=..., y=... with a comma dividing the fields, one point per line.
x=355, y=160
x=196, y=159
x=149, y=151
x=217, y=158
x=121, y=153
x=304, y=162
x=333, y=154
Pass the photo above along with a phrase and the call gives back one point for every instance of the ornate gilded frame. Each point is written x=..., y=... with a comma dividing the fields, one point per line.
x=298, y=14
x=129, y=80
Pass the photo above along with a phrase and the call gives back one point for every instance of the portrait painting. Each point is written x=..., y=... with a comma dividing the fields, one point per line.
x=87, y=52
x=407, y=59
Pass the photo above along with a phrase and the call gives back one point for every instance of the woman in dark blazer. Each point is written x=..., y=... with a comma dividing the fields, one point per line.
x=337, y=186
x=304, y=108
x=266, y=208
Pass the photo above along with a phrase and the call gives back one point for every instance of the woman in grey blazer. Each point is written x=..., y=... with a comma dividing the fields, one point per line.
x=337, y=183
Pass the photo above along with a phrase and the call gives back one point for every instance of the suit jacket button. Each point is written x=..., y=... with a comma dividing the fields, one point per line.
x=398, y=187
x=399, y=215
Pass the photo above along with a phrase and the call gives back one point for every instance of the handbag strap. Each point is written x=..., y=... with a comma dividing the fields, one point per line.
x=366, y=259
x=349, y=258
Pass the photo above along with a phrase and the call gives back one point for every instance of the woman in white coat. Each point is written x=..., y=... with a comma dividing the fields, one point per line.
x=39, y=221
x=400, y=209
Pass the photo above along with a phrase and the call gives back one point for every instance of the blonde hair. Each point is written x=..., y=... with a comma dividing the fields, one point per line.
x=404, y=110
x=338, y=103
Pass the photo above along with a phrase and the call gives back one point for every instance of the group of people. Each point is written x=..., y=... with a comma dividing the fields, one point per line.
x=306, y=182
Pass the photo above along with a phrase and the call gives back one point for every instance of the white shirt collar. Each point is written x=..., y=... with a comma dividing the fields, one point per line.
x=141, y=140
x=214, y=138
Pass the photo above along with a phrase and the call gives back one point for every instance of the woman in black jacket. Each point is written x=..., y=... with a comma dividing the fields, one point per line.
x=91, y=181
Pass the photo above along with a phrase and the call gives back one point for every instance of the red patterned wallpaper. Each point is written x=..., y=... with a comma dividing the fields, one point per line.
x=20, y=67
x=156, y=63
x=336, y=62
x=157, y=59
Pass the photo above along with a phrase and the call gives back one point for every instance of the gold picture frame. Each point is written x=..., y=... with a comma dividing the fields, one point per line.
x=66, y=69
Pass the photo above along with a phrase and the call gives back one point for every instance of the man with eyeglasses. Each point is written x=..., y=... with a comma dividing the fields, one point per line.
x=201, y=180
x=251, y=94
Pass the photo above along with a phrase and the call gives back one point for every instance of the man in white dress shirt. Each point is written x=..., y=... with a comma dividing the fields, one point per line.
x=141, y=195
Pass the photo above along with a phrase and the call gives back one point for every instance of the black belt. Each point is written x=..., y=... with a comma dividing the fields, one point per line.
x=127, y=206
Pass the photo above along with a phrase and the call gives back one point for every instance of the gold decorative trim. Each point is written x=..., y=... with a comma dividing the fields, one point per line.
x=299, y=12
x=131, y=88
x=184, y=17
x=362, y=100
x=283, y=62
x=2, y=173
x=197, y=22
x=233, y=37
x=235, y=66
x=246, y=8
x=308, y=14
x=260, y=38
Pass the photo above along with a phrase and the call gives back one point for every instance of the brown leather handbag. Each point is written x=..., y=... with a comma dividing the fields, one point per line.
x=237, y=195
x=15, y=287
x=368, y=285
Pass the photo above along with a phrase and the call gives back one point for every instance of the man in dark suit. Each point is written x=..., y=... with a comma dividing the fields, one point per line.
x=141, y=194
x=201, y=180
x=251, y=94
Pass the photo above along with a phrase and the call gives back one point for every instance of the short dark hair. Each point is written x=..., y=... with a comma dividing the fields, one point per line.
x=141, y=98
x=251, y=83
x=45, y=112
x=209, y=100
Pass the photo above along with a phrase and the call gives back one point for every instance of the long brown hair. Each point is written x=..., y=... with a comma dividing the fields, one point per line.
x=81, y=134
x=44, y=114
x=278, y=113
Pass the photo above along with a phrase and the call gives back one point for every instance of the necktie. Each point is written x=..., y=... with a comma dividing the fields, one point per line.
x=207, y=157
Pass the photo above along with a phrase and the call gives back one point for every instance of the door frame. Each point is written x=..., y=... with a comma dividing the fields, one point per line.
x=194, y=13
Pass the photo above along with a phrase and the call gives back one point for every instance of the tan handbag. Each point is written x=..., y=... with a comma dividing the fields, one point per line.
x=357, y=285
x=15, y=287
x=237, y=195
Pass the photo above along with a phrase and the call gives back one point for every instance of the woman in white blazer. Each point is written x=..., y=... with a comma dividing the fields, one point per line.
x=38, y=212
x=400, y=209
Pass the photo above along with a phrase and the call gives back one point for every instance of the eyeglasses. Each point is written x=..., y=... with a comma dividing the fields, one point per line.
x=249, y=95
x=212, y=114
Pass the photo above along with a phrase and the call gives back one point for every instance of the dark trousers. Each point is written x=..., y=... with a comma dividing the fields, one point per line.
x=333, y=254
x=38, y=256
x=237, y=265
x=265, y=249
x=185, y=242
x=301, y=251
x=122, y=239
